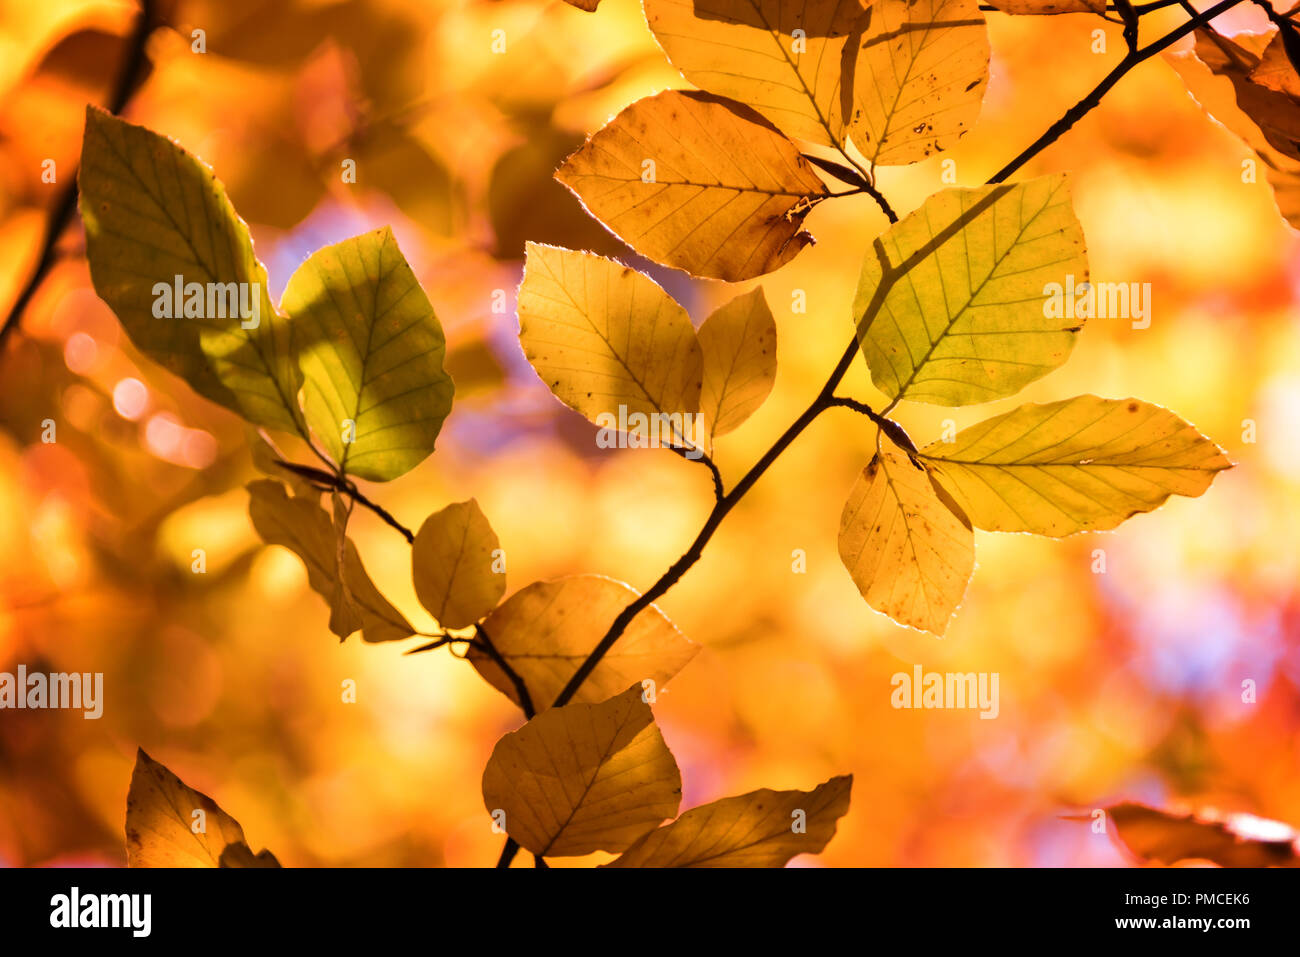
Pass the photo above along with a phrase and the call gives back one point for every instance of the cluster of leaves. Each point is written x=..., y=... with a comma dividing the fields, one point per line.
x=950, y=310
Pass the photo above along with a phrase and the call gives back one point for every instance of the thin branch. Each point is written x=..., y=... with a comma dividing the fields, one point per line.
x=856, y=178
x=133, y=64
x=508, y=852
x=703, y=458
x=1090, y=102
x=521, y=689
x=348, y=488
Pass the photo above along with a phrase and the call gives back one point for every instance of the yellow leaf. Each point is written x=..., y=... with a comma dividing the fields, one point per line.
x=1082, y=463
x=953, y=306
x=452, y=559
x=583, y=777
x=739, y=345
x=604, y=336
x=760, y=829
x=371, y=351
x=781, y=57
x=919, y=77
x=154, y=212
x=699, y=183
x=306, y=529
x=908, y=551
x=169, y=824
x=546, y=631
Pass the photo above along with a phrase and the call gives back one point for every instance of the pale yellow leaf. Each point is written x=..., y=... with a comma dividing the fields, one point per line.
x=763, y=828
x=584, y=777
x=781, y=57
x=307, y=530
x=910, y=554
x=919, y=78
x=606, y=338
x=452, y=563
x=739, y=345
x=697, y=182
x=1082, y=463
x=169, y=824
x=954, y=303
x=546, y=631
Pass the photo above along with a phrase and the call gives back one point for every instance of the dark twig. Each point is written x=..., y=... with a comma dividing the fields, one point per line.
x=704, y=458
x=348, y=488
x=133, y=64
x=1090, y=102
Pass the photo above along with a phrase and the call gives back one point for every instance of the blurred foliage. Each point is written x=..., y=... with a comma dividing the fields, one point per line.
x=1125, y=685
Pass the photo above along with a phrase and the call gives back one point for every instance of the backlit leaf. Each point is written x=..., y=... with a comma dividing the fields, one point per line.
x=697, y=182
x=546, y=631
x=907, y=550
x=371, y=354
x=584, y=777
x=1082, y=463
x=757, y=829
x=161, y=823
x=781, y=57
x=954, y=306
x=154, y=212
x=451, y=560
x=919, y=79
x=602, y=336
x=1231, y=840
x=306, y=529
x=739, y=345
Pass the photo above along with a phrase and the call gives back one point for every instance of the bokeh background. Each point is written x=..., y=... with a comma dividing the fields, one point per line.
x=1122, y=685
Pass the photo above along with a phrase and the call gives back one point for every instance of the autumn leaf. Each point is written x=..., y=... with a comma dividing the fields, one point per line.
x=760, y=829
x=588, y=5
x=1218, y=74
x=1048, y=7
x=169, y=824
x=583, y=777
x=452, y=561
x=545, y=632
x=604, y=337
x=1082, y=463
x=154, y=212
x=697, y=182
x=779, y=57
x=308, y=531
x=371, y=354
x=952, y=305
x=739, y=345
x=909, y=550
x=1232, y=840
x=919, y=77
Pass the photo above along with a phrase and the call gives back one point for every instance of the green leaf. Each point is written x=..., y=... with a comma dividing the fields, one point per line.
x=371, y=355
x=1063, y=467
x=953, y=306
x=763, y=828
x=153, y=212
x=452, y=561
x=306, y=529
